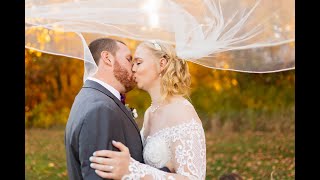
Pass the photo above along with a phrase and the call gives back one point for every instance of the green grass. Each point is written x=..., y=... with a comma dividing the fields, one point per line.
x=254, y=155
x=45, y=154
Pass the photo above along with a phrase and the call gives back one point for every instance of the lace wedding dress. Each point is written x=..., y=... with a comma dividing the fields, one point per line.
x=182, y=144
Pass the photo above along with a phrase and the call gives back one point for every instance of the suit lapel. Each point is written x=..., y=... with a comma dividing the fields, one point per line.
x=99, y=87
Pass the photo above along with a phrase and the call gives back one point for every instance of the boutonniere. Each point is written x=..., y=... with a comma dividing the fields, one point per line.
x=133, y=111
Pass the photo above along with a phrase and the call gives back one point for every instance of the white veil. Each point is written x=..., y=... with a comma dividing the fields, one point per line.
x=241, y=35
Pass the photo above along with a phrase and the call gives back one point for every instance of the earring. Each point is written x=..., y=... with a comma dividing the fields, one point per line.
x=160, y=75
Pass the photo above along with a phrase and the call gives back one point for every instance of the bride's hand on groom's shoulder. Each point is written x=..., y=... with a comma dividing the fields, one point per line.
x=111, y=164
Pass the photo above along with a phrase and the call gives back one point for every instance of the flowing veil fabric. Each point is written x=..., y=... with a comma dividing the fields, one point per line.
x=242, y=35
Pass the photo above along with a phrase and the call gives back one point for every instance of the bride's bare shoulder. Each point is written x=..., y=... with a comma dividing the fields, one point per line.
x=146, y=116
x=182, y=111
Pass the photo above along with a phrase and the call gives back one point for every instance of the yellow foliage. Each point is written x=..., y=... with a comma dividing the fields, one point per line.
x=234, y=82
x=38, y=54
x=47, y=38
x=217, y=86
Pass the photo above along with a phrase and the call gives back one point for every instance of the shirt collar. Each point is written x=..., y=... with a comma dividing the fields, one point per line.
x=107, y=86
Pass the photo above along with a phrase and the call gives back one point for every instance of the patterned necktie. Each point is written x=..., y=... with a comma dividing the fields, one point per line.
x=123, y=99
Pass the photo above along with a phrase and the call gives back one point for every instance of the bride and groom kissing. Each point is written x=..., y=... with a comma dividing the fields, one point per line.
x=102, y=139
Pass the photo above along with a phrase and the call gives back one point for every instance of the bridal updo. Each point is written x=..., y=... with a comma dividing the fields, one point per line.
x=175, y=78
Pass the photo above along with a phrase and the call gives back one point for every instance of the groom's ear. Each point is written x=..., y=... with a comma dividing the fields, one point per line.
x=107, y=58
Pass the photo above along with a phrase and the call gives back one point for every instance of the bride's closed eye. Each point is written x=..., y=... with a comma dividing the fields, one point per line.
x=137, y=61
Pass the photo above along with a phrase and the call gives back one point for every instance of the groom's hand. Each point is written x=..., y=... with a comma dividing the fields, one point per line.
x=111, y=164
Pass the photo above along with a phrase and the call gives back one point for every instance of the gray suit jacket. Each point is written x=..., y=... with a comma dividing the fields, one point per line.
x=96, y=118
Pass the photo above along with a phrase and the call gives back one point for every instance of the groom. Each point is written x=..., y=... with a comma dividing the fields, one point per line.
x=97, y=115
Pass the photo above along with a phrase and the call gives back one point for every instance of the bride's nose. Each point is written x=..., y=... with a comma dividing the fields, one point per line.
x=134, y=67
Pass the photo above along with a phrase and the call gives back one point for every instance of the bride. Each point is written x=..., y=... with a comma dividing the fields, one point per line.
x=172, y=133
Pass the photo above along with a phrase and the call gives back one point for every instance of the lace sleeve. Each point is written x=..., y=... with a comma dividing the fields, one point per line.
x=189, y=150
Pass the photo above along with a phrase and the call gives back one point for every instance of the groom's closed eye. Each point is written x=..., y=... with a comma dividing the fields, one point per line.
x=129, y=58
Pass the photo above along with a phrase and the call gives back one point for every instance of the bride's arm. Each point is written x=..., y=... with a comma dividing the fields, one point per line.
x=189, y=159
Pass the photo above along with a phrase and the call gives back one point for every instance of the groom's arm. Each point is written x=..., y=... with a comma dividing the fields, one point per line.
x=99, y=128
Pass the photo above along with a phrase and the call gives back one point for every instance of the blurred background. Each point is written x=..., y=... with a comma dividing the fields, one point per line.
x=249, y=119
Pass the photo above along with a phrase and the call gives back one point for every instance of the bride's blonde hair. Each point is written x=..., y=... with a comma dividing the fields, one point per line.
x=175, y=78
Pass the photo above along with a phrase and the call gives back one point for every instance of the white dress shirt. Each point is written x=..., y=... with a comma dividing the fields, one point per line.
x=107, y=86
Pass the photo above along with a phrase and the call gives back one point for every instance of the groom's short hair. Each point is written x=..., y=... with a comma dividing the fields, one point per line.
x=103, y=44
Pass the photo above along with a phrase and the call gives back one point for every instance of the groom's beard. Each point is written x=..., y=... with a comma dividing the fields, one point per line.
x=122, y=75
